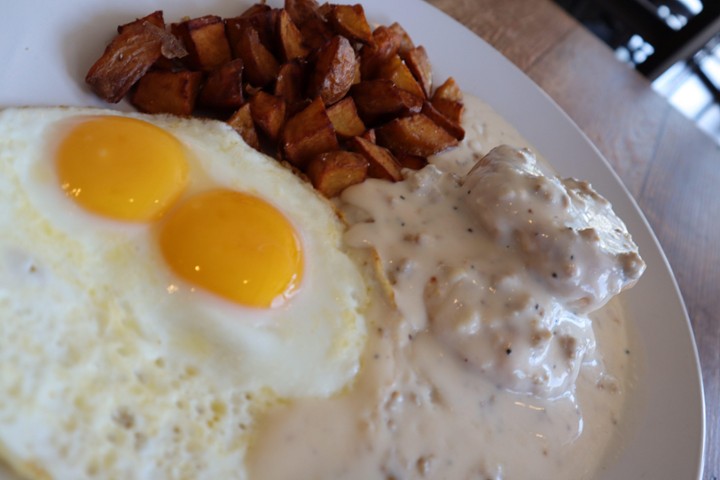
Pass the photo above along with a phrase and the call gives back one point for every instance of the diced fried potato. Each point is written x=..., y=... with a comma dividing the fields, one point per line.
x=223, y=87
x=290, y=83
x=264, y=21
x=316, y=32
x=308, y=133
x=396, y=70
x=412, y=162
x=268, y=113
x=167, y=92
x=290, y=38
x=254, y=9
x=205, y=40
x=332, y=172
x=334, y=71
x=128, y=56
x=376, y=100
x=384, y=46
x=345, y=119
x=381, y=163
x=302, y=11
x=449, y=90
x=418, y=62
x=406, y=43
x=415, y=135
x=449, y=108
x=156, y=18
x=350, y=22
x=261, y=67
x=243, y=123
x=452, y=127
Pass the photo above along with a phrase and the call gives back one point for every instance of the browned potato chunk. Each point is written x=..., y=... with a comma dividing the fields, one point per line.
x=415, y=135
x=291, y=41
x=332, y=172
x=128, y=57
x=379, y=99
x=449, y=90
x=268, y=113
x=301, y=11
x=418, y=62
x=394, y=69
x=261, y=67
x=381, y=163
x=451, y=109
x=205, y=40
x=308, y=133
x=345, y=119
x=223, y=87
x=384, y=46
x=263, y=19
x=167, y=92
x=412, y=162
x=156, y=18
x=452, y=127
x=334, y=71
x=405, y=42
x=242, y=122
x=290, y=83
x=350, y=22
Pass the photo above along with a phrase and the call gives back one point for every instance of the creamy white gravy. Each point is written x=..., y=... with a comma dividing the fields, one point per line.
x=445, y=392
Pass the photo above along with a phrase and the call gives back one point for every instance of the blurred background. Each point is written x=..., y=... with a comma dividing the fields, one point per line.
x=674, y=43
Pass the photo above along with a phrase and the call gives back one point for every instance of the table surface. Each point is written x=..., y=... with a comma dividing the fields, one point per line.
x=669, y=165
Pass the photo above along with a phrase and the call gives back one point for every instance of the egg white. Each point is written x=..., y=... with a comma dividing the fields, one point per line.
x=114, y=367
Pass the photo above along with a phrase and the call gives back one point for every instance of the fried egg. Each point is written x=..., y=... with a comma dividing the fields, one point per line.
x=161, y=284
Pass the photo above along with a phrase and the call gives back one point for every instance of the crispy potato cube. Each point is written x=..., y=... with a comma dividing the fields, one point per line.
x=255, y=9
x=128, y=57
x=449, y=90
x=452, y=127
x=264, y=20
x=381, y=163
x=412, y=162
x=242, y=122
x=418, y=62
x=290, y=83
x=396, y=70
x=223, y=87
x=167, y=92
x=308, y=133
x=290, y=38
x=350, y=22
x=268, y=113
x=302, y=11
x=261, y=67
x=205, y=40
x=345, y=119
x=415, y=135
x=377, y=100
x=332, y=172
x=384, y=46
x=406, y=43
x=451, y=109
x=156, y=18
x=334, y=71
x=316, y=32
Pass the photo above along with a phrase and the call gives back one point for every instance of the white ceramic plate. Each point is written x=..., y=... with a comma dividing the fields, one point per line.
x=47, y=47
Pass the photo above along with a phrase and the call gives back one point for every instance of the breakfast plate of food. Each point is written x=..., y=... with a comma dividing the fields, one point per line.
x=292, y=240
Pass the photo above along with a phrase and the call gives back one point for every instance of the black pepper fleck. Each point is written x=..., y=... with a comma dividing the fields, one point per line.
x=572, y=257
x=554, y=275
x=402, y=197
x=410, y=337
x=508, y=351
x=627, y=351
x=537, y=306
x=470, y=230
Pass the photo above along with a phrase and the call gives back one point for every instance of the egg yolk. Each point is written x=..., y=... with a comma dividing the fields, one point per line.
x=235, y=245
x=121, y=168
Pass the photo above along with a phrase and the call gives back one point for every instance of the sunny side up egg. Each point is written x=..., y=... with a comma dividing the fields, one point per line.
x=128, y=346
